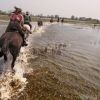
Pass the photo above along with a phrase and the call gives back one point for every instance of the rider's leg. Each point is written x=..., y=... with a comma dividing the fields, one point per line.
x=9, y=26
x=22, y=34
x=24, y=42
x=30, y=26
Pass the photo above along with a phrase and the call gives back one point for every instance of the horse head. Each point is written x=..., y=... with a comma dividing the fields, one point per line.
x=26, y=28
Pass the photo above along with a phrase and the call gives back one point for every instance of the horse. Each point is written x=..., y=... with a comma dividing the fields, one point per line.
x=27, y=30
x=40, y=23
x=58, y=20
x=62, y=20
x=51, y=20
x=12, y=42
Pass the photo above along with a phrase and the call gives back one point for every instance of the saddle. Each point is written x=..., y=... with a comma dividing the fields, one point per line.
x=13, y=29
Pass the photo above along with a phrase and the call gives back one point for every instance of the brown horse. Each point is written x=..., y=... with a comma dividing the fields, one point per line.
x=11, y=41
x=40, y=23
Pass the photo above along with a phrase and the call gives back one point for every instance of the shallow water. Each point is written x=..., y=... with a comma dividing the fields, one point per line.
x=67, y=65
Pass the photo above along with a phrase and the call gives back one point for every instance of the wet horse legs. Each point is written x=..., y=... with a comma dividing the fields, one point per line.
x=5, y=57
x=13, y=62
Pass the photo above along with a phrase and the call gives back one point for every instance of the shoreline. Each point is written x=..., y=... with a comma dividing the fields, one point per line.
x=3, y=22
x=4, y=19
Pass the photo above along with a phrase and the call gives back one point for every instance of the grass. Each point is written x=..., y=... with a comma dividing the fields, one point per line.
x=35, y=19
x=4, y=17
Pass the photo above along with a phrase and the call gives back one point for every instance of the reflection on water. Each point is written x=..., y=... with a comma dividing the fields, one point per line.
x=66, y=66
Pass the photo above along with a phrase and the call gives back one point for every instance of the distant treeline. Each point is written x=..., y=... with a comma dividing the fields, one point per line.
x=55, y=16
x=84, y=19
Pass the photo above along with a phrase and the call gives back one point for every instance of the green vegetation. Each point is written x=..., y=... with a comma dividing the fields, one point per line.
x=4, y=17
x=73, y=19
x=45, y=19
x=34, y=19
x=81, y=22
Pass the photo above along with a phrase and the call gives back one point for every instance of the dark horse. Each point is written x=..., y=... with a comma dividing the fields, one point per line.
x=10, y=41
x=40, y=23
x=51, y=20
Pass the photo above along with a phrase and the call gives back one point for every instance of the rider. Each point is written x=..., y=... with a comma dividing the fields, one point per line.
x=58, y=19
x=17, y=21
x=27, y=19
x=51, y=20
x=62, y=20
x=40, y=20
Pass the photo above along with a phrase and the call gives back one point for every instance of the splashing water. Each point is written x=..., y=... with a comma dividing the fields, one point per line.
x=39, y=29
x=12, y=84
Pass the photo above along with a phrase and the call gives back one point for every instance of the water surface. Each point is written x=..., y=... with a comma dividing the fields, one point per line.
x=67, y=65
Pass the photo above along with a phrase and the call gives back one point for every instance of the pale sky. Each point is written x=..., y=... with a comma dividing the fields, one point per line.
x=63, y=8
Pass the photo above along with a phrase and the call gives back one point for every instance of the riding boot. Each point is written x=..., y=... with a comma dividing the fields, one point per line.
x=24, y=41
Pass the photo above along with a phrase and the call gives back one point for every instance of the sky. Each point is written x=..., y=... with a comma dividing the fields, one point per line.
x=63, y=8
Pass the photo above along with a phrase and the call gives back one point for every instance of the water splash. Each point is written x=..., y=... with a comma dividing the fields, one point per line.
x=39, y=30
x=12, y=84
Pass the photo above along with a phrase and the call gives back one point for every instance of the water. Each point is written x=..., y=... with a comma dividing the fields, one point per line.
x=60, y=63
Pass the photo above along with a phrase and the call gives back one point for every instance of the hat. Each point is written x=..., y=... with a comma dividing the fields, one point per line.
x=17, y=10
x=27, y=13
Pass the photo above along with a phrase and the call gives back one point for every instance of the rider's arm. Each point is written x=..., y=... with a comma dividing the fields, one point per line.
x=12, y=17
x=22, y=21
x=30, y=18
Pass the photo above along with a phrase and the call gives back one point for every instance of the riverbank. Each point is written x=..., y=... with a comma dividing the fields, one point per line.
x=35, y=19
